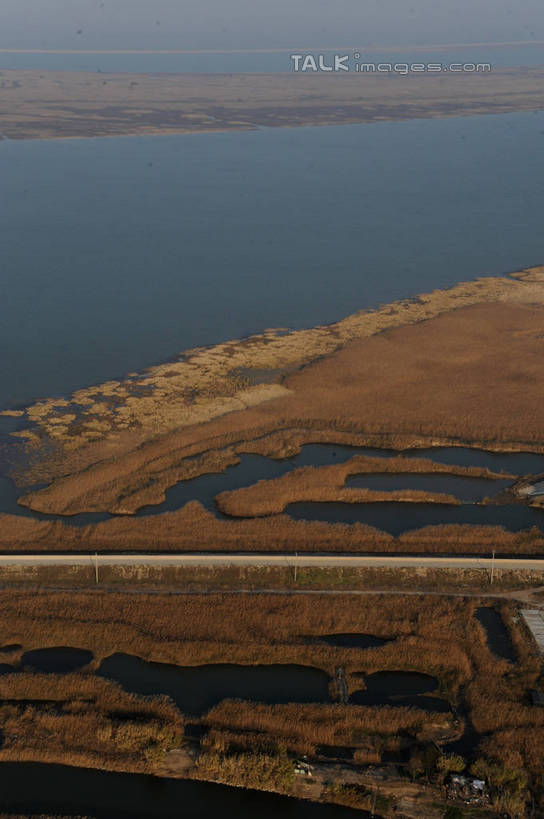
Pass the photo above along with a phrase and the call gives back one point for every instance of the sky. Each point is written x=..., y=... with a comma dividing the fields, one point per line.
x=256, y=24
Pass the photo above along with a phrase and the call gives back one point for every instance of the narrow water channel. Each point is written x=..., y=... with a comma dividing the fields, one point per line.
x=397, y=518
x=394, y=518
x=470, y=490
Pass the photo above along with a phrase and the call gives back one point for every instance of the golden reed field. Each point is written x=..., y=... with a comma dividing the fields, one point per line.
x=455, y=367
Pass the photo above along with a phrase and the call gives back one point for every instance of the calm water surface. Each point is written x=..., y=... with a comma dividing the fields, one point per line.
x=30, y=789
x=118, y=253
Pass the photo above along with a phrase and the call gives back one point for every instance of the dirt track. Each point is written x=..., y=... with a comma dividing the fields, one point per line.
x=319, y=561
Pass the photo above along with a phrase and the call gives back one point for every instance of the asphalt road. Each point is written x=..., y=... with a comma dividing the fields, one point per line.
x=317, y=561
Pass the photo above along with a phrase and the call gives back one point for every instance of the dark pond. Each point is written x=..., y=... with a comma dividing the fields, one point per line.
x=195, y=689
x=498, y=637
x=467, y=489
x=397, y=518
x=353, y=640
x=6, y=668
x=56, y=660
x=404, y=688
x=30, y=789
x=399, y=683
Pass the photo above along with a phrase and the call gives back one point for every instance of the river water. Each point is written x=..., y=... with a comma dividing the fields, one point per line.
x=30, y=789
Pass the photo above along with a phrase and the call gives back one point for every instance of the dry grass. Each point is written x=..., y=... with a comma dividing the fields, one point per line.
x=84, y=720
x=193, y=528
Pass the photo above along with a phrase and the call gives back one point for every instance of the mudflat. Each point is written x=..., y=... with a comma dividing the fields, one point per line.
x=55, y=104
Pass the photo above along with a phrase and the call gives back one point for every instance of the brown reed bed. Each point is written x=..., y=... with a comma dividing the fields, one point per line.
x=76, y=716
x=445, y=367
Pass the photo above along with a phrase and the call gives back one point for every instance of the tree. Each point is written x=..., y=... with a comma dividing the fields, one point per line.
x=450, y=763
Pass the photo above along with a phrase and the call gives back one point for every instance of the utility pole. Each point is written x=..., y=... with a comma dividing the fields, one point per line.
x=296, y=567
x=493, y=567
x=96, y=567
x=374, y=803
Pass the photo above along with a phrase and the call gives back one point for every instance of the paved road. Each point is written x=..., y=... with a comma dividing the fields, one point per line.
x=317, y=561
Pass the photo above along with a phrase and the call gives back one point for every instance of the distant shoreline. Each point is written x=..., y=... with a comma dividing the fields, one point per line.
x=46, y=104
x=395, y=48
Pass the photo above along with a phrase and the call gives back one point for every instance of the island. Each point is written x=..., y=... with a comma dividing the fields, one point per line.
x=68, y=104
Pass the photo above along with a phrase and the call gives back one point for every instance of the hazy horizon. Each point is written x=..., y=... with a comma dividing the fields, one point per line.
x=255, y=24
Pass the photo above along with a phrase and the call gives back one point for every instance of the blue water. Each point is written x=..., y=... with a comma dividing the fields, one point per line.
x=117, y=253
x=265, y=62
